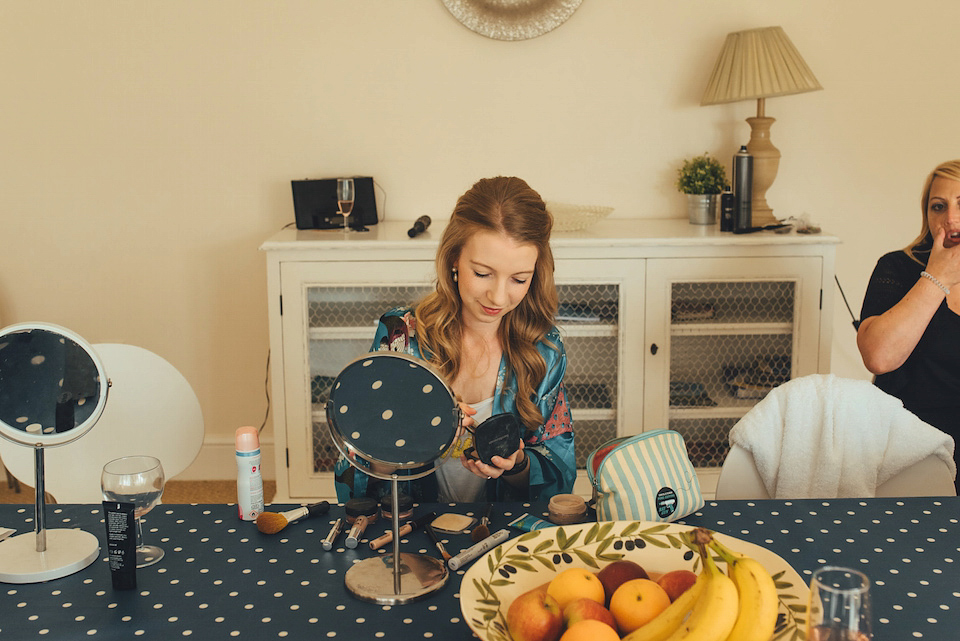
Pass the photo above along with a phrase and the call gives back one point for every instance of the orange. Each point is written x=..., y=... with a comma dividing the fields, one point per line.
x=590, y=630
x=575, y=583
x=637, y=602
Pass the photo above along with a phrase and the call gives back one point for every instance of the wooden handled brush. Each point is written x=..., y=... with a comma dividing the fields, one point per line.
x=273, y=522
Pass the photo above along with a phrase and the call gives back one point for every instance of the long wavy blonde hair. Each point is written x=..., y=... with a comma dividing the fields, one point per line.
x=919, y=247
x=505, y=205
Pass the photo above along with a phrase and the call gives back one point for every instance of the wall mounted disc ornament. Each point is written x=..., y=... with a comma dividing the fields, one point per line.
x=512, y=19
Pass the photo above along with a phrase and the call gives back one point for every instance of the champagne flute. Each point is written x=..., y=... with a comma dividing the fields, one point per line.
x=839, y=605
x=345, y=198
x=138, y=480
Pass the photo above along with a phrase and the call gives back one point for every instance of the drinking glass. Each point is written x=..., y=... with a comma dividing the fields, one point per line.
x=138, y=480
x=345, y=198
x=839, y=605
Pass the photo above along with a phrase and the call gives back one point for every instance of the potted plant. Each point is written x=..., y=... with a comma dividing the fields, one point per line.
x=702, y=178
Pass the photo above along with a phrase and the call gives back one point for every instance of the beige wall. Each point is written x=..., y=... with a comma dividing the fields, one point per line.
x=146, y=147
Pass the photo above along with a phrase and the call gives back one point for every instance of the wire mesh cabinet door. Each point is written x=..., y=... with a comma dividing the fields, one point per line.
x=722, y=332
x=328, y=320
x=601, y=319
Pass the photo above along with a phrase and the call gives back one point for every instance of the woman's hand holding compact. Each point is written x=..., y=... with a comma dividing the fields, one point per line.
x=500, y=466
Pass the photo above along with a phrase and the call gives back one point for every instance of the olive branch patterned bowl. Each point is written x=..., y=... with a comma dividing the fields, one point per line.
x=527, y=562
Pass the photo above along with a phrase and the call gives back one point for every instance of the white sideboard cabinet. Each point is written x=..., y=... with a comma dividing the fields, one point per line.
x=666, y=324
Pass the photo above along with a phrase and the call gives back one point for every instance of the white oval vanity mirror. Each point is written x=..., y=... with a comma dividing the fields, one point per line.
x=52, y=391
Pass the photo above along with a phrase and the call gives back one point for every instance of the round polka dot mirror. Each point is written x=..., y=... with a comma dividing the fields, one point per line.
x=392, y=416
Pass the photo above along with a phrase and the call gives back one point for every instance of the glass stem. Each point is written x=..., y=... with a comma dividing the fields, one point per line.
x=139, y=534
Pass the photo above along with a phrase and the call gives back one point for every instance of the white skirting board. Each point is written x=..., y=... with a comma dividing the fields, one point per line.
x=217, y=461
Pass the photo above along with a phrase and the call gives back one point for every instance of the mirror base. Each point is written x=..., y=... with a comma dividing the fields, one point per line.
x=68, y=551
x=373, y=580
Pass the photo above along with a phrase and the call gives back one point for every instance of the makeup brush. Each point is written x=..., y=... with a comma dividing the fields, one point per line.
x=482, y=531
x=436, y=541
x=273, y=522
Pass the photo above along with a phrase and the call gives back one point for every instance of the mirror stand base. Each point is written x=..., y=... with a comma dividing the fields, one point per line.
x=372, y=579
x=68, y=551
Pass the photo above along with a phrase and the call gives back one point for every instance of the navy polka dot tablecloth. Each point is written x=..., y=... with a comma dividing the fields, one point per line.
x=222, y=579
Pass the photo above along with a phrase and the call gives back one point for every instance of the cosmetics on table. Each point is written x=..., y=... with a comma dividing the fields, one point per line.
x=361, y=512
x=404, y=530
x=472, y=552
x=331, y=537
x=118, y=518
x=249, y=479
x=436, y=542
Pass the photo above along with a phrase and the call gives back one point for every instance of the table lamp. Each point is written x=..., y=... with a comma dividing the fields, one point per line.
x=759, y=64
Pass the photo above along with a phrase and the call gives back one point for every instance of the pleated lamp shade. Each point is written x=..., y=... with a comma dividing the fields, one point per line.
x=758, y=63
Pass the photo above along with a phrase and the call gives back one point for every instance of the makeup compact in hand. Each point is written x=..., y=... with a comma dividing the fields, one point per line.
x=499, y=435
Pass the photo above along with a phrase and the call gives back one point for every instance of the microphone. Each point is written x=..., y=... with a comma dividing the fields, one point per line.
x=419, y=227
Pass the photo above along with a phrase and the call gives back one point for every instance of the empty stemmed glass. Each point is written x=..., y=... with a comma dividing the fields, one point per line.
x=138, y=480
x=839, y=605
x=345, y=198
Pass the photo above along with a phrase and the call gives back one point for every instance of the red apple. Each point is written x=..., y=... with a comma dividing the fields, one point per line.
x=534, y=616
x=582, y=609
x=617, y=573
x=676, y=582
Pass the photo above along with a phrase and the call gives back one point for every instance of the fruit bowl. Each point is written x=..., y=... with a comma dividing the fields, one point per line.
x=526, y=562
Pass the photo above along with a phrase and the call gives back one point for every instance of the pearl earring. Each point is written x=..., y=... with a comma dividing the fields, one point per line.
x=454, y=275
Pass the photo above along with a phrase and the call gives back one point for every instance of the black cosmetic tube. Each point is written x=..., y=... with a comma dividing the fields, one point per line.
x=121, y=543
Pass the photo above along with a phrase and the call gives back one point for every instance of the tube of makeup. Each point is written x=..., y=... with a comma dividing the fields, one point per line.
x=525, y=522
x=331, y=538
x=474, y=551
x=121, y=544
x=404, y=530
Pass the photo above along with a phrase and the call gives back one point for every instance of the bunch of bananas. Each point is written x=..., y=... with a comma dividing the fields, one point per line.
x=738, y=606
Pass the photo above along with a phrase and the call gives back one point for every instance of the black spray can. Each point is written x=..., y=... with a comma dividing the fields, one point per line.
x=728, y=209
x=743, y=188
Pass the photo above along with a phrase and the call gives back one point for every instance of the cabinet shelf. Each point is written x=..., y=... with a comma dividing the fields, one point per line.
x=729, y=329
x=577, y=330
x=341, y=333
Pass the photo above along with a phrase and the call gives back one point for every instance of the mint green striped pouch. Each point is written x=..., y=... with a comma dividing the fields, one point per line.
x=647, y=477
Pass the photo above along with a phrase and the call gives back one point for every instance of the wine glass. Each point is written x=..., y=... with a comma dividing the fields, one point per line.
x=138, y=480
x=839, y=605
x=345, y=198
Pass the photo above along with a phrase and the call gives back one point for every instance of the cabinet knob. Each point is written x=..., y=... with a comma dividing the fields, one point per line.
x=653, y=348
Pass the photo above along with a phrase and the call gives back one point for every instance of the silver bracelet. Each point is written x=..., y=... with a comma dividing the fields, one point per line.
x=936, y=282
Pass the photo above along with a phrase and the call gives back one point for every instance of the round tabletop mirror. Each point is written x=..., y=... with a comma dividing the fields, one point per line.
x=52, y=391
x=392, y=416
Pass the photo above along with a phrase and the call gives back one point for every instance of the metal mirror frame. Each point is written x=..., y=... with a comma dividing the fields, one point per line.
x=371, y=579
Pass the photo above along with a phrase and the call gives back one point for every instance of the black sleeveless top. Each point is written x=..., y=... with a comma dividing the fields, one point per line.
x=928, y=382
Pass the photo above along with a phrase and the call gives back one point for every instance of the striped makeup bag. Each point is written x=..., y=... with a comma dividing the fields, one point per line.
x=647, y=477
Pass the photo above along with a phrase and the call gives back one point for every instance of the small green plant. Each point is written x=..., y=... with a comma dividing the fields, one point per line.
x=701, y=175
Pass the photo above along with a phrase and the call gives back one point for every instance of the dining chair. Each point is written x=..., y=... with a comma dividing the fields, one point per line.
x=151, y=409
x=850, y=431
x=739, y=479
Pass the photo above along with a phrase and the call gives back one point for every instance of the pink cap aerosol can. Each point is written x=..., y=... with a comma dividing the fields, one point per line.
x=249, y=480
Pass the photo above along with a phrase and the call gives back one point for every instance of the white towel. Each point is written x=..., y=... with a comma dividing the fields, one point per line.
x=824, y=436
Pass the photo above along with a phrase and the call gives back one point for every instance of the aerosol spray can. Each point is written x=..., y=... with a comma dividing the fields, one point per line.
x=249, y=480
x=728, y=209
x=743, y=188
